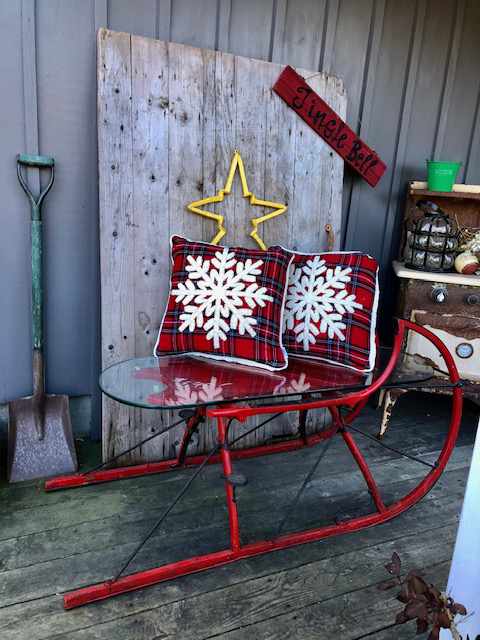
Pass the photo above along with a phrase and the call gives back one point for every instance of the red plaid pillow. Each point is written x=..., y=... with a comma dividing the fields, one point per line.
x=226, y=304
x=331, y=308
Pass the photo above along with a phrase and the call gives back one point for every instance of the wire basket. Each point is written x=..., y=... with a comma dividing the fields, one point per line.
x=431, y=240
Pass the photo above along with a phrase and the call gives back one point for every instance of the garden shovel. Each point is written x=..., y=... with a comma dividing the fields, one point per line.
x=40, y=438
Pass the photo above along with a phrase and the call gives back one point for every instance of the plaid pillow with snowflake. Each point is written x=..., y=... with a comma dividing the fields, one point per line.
x=331, y=308
x=226, y=304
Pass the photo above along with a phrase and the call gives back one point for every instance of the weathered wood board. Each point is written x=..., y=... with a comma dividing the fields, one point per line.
x=169, y=119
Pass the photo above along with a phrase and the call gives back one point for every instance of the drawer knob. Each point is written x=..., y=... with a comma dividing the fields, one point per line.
x=439, y=295
x=472, y=298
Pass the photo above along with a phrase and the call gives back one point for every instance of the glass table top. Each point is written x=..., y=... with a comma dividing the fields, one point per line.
x=174, y=382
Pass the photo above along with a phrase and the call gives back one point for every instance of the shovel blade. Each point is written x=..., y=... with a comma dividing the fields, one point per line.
x=29, y=457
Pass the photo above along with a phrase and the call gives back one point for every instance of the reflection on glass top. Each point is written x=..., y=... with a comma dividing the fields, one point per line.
x=171, y=382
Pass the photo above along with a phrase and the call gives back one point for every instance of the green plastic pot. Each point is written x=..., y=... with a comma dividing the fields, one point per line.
x=441, y=176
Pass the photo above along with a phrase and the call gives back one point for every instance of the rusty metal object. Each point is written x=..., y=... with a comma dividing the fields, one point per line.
x=330, y=236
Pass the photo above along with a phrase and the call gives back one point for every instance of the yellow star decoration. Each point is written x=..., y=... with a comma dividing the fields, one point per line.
x=195, y=207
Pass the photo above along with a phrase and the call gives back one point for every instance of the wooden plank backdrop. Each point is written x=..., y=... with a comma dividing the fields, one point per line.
x=169, y=119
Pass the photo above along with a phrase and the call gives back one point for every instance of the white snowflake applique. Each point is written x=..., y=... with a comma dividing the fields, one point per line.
x=317, y=299
x=220, y=295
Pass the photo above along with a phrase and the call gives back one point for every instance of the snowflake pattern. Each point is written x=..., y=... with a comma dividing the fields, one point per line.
x=317, y=300
x=188, y=392
x=300, y=385
x=220, y=295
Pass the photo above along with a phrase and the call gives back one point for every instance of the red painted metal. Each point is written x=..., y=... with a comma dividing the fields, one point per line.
x=237, y=551
x=363, y=466
x=358, y=457
x=190, y=428
x=293, y=89
x=229, y=489
x=145, y=578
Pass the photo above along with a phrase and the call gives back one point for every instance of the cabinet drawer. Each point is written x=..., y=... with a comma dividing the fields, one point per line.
x=440, y=298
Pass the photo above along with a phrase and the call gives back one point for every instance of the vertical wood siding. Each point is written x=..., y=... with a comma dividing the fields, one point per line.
x=410, y=71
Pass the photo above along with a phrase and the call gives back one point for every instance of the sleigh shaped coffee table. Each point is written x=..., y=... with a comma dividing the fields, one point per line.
x=201, y=389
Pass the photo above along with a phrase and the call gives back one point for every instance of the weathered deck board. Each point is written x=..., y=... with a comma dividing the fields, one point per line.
x=170, y=118
x=274, y=495
x=322, y=590
x=109, y=533
x=353, y=615
x=115, y=518
x=265, y=603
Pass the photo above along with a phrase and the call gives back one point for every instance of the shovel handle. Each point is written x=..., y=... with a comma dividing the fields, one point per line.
x=31, y=160
x=39, y=162
x=38, y=393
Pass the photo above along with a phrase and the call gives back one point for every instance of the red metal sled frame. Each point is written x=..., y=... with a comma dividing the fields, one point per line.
x=355, y=401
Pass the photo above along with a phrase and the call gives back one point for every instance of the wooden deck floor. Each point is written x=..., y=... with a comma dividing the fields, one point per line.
x=53, y=543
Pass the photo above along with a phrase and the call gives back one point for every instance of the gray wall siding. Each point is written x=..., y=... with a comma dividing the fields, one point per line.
x=410, y=69
x=66, y=114
x=14, y=242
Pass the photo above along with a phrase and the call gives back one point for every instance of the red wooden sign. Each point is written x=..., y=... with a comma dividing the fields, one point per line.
x=292, y=88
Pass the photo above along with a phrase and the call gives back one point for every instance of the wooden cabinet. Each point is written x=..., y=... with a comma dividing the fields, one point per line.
x=449, y=305
x=446, y=303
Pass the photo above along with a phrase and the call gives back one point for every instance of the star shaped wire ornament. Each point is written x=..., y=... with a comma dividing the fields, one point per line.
x=196, y=206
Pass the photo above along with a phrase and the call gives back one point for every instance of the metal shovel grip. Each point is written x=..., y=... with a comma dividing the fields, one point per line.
x=35, y=162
